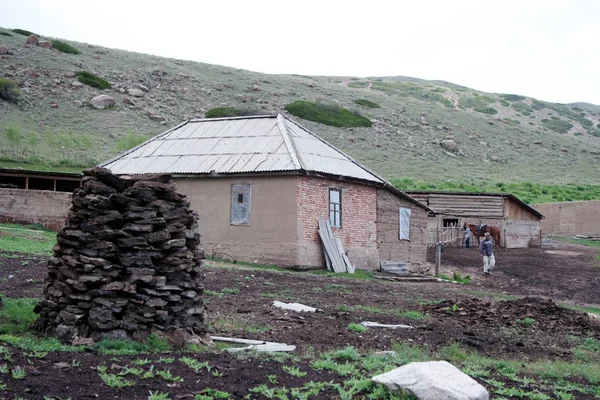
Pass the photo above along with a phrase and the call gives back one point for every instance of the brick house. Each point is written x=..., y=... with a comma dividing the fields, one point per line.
x=260, y=183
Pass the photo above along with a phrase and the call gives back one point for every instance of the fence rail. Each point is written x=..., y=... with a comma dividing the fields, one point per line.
x=450, y=236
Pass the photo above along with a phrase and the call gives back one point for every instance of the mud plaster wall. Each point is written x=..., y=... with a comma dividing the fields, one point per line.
x=358, y=231
x=271, y=235
x=390, y=246
x=570, y=218
x=34, y=207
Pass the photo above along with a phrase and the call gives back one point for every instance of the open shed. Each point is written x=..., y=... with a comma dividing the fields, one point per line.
x=260, y=183
x=519, y=223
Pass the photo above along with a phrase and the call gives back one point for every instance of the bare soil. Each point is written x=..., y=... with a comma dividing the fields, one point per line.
x=530, y=282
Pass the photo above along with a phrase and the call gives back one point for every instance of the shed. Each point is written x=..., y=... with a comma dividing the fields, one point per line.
x=519, y=222
x=260, y=183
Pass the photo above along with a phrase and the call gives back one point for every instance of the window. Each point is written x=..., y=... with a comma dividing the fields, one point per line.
x=240, y=204
x=335, y=207
x=450, y=222
x=404, y=229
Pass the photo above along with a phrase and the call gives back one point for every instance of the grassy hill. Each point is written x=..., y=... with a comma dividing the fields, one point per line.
x=420, y=130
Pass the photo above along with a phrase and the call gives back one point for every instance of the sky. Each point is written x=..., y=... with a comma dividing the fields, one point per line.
x=546, y=49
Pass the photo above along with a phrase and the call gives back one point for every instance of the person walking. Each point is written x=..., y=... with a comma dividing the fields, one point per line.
x=487, y=249
x=467, y=233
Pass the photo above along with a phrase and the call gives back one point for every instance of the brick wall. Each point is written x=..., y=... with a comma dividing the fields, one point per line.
x=358, y=231
x=34, y=207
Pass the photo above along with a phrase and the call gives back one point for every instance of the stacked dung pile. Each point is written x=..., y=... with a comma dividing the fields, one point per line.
x=126, y=262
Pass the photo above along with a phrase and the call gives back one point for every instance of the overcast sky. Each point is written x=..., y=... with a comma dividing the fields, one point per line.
x=547, y=49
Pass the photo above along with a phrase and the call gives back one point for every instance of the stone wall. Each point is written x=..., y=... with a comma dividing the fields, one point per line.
x=28, y=206
x=570, y=218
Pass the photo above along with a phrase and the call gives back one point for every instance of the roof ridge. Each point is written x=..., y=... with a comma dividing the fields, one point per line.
x=289, y=144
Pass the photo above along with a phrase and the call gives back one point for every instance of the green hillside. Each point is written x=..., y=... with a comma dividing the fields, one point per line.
x=425, y=131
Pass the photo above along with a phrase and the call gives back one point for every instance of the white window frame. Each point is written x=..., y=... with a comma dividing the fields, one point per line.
x=404, y=223
x=335, y=209
x=240, y=204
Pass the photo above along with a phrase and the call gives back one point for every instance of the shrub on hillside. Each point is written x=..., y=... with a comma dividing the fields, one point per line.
x=22, y=32
x=366, y=103
x=486, y=110
x=9, y=90
x=226, y=112
x=64, y=47
x=87, y=78
x=328, y=114
x=5, y=34
x=512, y=97
x=557, y=125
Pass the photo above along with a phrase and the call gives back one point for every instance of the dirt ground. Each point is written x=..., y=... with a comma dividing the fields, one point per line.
x=531, y=282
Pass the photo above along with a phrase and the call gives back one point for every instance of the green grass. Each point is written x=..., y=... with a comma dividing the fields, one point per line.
x=118, y=347
x=557, y=125
x=29, y=241
x=22, y=32
x=327, y=114
x=222, y=112
x=16, y=315
x=5, y=34
x=526, y=191
x=9, y=90
x=129, y=141
x=64, y=47
x=366, y=103
x=358, y=328
x=87, y=78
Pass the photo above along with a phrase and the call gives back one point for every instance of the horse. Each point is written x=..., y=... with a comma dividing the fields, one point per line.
x=492, y=229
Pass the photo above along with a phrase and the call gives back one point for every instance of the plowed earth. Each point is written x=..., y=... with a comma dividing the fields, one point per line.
x=493, y=315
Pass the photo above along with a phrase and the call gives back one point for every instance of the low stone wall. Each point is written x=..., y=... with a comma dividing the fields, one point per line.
x=34, y=207
x=571, y=217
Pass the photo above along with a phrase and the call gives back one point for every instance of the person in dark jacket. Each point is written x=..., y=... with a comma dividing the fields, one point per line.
x=467, y=233
x=487, y=249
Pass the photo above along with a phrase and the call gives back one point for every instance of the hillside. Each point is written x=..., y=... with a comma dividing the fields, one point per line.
x=496, y=137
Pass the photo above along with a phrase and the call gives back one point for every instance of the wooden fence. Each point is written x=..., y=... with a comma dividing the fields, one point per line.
x=450, y=236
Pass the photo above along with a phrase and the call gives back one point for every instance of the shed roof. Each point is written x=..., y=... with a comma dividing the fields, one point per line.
x=493, y=194
x=269, y=143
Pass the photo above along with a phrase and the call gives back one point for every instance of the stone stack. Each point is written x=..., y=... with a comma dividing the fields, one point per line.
x=126, y=263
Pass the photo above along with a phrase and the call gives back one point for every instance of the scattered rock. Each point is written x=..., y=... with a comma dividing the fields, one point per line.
x=76, y=84
x=103, y=101
x=449, y=144
x=32, y=40
x=432, y=380
x=144, y=88
x=57, y=81
x=4, y=50
x=53, y=104
x=127, y=100
x=135, y=92
x=45, y=44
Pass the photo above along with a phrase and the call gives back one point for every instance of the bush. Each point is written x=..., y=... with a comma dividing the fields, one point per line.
x=486, y=110
x=9, y=90
x=512, y=97
x=226, y=112
x=22, y=32
x=5, y=34
x=87, y=78
x=558, y=126
x=366, y=103
x=327, y=114
x=64, y=47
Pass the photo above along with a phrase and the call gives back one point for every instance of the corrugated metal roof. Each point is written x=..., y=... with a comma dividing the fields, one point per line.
x=238, y=145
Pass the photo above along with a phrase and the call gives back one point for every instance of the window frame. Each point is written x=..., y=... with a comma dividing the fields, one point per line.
x=404, y=228
x=336, y=212
x=245, y=191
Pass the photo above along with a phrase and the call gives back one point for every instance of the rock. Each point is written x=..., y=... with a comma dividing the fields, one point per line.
x=45, y=44
x=144, y=88
x=432, y=380
x=135, y=92
x=127, y=100
x=57, y=81
x=449, y=144
x=53, y=104
x=155, y=117
x=32, y=40
x=76, y=84
x=4, y=50
x=103, y=101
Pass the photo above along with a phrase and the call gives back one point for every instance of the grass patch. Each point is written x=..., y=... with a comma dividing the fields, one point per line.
x=87, y=78
x=129, y=141
x=486, y=110
x=5, y=34
x=327, y=114
x=9, y=91
x=512, y=97
x=227, y=112
x=22, y=32
x=557, y=125
x=29, y=241
x=118, y=347
x=358, y=84
x=64, y=47
x=16, y=315
x=366, y=103
x=358, y=328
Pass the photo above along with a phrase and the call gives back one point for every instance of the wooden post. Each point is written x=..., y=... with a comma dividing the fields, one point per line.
x=438, y=258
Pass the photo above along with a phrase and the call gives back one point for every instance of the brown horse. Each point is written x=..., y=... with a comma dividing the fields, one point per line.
x=492, y=229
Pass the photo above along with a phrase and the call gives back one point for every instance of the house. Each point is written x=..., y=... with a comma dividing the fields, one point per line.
x=519, y=223
x=260, y=183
